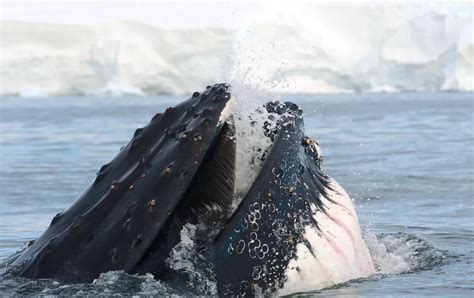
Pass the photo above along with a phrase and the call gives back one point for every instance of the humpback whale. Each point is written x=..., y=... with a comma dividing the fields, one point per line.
x=295, y=229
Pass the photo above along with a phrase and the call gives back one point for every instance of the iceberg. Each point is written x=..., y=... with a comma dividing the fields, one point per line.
x=317, y=50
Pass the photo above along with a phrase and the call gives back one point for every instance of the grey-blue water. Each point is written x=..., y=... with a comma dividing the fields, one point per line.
x=407, y=159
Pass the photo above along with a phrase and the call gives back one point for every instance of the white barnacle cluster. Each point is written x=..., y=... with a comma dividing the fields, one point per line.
x=249, y=225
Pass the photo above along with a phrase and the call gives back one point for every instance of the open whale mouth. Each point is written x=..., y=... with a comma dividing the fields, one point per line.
x=178, y=175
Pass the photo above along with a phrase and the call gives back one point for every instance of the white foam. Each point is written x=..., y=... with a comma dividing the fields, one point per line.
x=391, y=255
x=183, y=258
x=179, y=258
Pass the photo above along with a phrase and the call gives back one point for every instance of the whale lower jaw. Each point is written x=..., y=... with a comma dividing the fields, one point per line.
x=341, y=253
x=296, y=228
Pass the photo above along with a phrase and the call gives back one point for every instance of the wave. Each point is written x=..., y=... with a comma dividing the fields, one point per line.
x=392, y=254
x=318, y=50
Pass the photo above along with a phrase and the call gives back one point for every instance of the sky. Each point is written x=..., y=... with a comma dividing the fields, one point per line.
x=171, y=15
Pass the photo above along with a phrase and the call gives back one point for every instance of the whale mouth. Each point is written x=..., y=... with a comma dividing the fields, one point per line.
x=210, y=203
x=216, y=191
x=178, y=201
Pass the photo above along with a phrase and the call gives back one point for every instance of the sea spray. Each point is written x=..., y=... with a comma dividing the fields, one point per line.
x=404, y=253
x=249, y=114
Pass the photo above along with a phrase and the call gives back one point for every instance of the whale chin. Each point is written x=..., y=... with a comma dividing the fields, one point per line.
x=177, y=175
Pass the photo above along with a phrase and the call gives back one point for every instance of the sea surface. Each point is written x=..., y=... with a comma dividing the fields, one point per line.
x=406, y=159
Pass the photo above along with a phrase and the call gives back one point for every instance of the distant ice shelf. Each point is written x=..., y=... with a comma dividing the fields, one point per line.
x=371, y=50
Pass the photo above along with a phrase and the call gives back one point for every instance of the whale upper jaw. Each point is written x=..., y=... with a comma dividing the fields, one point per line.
x=113, y=224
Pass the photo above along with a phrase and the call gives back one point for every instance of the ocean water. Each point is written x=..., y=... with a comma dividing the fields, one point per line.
x=406, y=159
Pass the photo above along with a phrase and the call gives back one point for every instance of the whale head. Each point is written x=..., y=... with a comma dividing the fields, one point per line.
x=167, y=205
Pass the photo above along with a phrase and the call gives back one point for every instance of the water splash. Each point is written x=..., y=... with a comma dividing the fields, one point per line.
x=190, y=256
x=404, y=253
x=249, y=116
